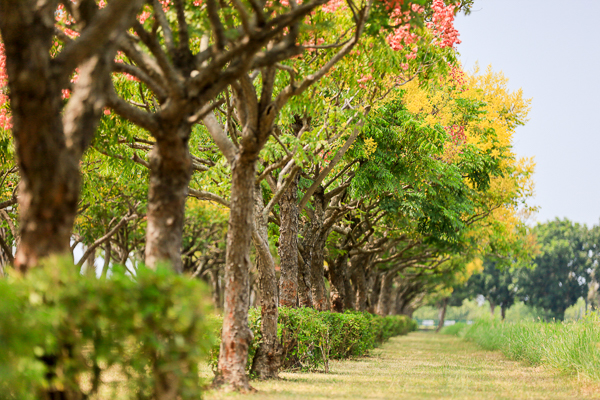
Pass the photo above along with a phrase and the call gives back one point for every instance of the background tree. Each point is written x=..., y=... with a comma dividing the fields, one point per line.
x=562, y=269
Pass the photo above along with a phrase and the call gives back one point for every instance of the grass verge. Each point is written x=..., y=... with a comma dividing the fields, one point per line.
x=568, y=347
x=421, y=366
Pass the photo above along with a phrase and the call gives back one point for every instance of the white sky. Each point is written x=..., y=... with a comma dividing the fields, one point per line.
x=551, y=49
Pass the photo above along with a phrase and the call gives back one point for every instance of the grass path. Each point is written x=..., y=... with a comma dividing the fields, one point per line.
x=424, y=366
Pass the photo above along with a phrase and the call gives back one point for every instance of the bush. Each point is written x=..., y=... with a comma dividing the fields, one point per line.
x=455, y=329
x=569, y=347
x=310, y=338
x=61, y=333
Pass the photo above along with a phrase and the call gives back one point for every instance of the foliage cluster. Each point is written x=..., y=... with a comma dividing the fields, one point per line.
x=62, y=333
x=569, y=347
x=563, y=271
x=310, y=338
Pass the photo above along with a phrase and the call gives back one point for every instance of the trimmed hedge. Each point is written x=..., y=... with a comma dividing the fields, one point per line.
x=62, y=333
x=311, y=338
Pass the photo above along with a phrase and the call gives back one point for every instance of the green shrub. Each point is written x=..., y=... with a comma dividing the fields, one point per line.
x=569, y=347
x=455, y=329
x=61, y=333
x=311, y=338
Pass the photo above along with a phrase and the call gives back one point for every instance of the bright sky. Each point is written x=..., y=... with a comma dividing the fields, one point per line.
x=551, y=49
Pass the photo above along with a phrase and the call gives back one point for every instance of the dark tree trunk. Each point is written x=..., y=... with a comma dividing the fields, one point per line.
x=170, y=174
x=319, y=295
x=375, y=290
x=385, y=297
x=442, y=314
x=50, y=180
x=288, y=247
x=214, y=281
x=337, y=278
x=503, y=312
x=315, y=249
x=349, y=299
x=267, y=359
x=360, y=283
x=236, y=335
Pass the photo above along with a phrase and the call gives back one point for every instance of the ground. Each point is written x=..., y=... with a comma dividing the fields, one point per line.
x=424, y=366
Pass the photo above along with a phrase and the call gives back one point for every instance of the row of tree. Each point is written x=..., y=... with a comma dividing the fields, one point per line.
x=328, y=154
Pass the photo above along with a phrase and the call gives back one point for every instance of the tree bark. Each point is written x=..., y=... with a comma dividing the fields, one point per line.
x=385, y=297
x=236, y=335
x=288, y=247
x=492, y=308
x=503, y=312
x=170, y=175
x=304, y=289
x=267, y=359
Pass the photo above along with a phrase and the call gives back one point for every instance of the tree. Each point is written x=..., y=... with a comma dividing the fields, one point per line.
x=562, y=269
x=50, y=134
x=497, y=283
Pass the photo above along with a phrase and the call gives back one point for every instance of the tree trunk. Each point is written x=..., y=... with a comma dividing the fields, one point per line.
x=337, y=278
x=288, y=247
x=503, y=312
x=349, y=299
x=492, y=308
x=49, y=142
x=385, y=297
x=317, y=273
x=214, y=281
x=304, y=289
x=107, y=256
x=360, y=283
x=375, y=289
x=50, y=180
x=442, y=314
x=236, y=335
x=170, y=174
x=267, y=359
x=317, y=253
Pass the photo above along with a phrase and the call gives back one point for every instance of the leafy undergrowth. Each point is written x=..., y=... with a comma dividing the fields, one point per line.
x=568, y=347
x=311, y=338
x=68, y=336
x=420, y=366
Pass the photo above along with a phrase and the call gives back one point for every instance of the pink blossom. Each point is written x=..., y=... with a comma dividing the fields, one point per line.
x=5, y=118
x=144, y=16
x=457, y=134
x=442, y=25
x=333, y=5
x=365, y=78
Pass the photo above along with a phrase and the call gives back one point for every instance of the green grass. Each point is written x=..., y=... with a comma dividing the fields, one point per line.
x=568, y=347
x=422, y=366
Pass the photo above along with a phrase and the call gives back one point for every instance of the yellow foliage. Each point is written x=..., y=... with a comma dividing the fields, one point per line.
x=370, y=146
x=501, y=209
